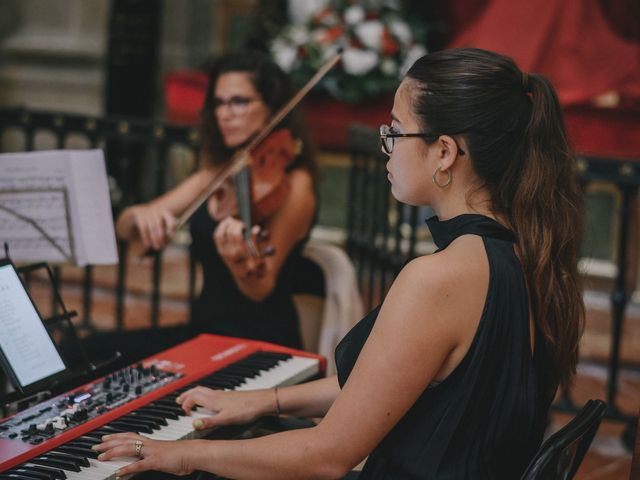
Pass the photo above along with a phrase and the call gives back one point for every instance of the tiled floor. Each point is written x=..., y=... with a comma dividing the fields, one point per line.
x=608, y=458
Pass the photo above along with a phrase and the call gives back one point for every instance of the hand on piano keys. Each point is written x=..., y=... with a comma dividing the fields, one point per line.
x=145, y=454
x=220, y=408
x=228, y=407
x=257, y=366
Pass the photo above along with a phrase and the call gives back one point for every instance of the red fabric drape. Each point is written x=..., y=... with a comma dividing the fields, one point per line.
x=569, y=41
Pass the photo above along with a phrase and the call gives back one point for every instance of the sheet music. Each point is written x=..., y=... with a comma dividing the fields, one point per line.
x=23, y=211
x=55, y=207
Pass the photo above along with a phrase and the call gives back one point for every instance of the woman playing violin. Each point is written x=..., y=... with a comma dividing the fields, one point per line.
x=243, y=294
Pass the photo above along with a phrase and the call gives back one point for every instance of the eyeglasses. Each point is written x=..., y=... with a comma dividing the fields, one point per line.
x=388, y=136
x=238, y=105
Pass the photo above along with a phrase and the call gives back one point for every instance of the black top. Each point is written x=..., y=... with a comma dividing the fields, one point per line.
x=487, y=418
x=223, y=309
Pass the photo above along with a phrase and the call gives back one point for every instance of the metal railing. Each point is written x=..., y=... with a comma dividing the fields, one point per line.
x=134, y=148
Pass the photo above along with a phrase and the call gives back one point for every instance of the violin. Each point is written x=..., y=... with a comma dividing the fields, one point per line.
x=267, y=179
x=266, y=158
x=256, y=192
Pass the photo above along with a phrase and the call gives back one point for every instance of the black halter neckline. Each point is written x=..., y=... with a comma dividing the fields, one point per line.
x=446, y=231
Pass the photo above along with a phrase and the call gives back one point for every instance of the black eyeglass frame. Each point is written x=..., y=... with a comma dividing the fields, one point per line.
x=429, y=136
x=235, y=103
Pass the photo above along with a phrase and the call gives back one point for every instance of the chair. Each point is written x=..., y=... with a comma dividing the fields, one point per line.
x=561, y=454
x=325, y=318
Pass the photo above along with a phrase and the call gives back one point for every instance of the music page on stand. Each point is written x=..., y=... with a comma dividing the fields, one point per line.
x=55, y=207
x=24, y=340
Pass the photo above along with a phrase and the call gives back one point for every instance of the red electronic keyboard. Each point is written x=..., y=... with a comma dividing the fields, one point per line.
x=53, y=440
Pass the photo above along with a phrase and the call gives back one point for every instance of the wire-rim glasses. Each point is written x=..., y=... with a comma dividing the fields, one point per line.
x=388, y=136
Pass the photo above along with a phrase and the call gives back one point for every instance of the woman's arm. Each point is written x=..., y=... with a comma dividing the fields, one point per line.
x=311, y=399
x=290, y=224
x=424, y=328
x=154, y=222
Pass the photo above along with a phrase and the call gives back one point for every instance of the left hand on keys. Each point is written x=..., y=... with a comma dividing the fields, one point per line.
x=165, y=456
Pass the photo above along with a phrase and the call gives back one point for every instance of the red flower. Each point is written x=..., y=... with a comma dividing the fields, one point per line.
x=330, y=35
x=320, y=16
x=389, y=44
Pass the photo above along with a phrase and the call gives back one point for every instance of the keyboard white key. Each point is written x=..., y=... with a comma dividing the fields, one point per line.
x=288, y=372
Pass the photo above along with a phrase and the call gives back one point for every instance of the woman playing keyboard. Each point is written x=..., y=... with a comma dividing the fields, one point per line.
x=453, y=375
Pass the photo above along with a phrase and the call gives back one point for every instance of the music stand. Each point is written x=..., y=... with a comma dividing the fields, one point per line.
x=75, y=371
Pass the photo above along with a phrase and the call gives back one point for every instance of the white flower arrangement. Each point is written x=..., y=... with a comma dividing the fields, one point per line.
x=378, y=45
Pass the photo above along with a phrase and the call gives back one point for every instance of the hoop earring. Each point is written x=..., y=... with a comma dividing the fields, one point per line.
x=445, y=184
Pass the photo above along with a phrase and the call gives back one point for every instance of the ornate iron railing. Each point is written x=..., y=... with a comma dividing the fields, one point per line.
x=130, y=145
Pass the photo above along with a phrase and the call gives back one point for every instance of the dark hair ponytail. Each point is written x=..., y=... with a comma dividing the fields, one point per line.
x=512, y=124
x=546, y=212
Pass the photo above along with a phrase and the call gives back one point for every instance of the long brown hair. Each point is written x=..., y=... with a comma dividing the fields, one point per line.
x=274, y=87
x=513, y=126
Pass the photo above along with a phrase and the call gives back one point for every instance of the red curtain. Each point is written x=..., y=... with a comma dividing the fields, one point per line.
x=570, y=41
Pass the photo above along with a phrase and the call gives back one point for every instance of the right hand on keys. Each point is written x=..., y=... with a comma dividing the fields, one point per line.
x=230, y=408
x=156, y=226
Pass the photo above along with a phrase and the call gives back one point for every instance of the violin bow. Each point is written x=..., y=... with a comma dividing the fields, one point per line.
x=242, y=158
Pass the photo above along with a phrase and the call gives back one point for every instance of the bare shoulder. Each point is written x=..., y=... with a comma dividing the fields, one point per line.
x=446, y=290
x=464, y=262
x=302, y=195
x=300, y=179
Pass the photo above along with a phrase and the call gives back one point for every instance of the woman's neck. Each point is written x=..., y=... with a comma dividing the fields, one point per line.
x=454, y=205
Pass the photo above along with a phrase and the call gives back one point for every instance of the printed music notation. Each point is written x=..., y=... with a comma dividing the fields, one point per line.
x=36, y=223
x=55, y=207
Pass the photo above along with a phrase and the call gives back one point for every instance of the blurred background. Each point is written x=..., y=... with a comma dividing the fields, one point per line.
x=129, y=76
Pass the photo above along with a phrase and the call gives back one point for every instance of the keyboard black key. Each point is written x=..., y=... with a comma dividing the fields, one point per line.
x=131, y=426
x=56, y=463
x=159, y=420
x=166, y=413
x=13, y=476
x=56, y=473
x=30, y=474
x=79, y=459
x=153, y=424
x=77, y=450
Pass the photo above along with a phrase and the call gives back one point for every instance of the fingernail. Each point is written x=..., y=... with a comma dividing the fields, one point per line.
x=106, y=437
x=94, y=447
x=198, y=424
x=101, y=456
x=268, y=251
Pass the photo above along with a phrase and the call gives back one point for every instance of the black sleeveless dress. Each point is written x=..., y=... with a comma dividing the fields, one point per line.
x=487, y=418
x=224, y=310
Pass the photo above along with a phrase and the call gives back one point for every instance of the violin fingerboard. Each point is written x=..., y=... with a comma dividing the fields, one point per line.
x=242, y=181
